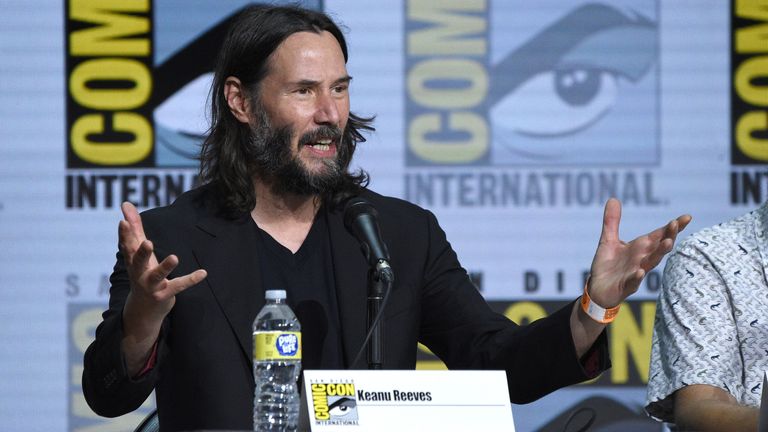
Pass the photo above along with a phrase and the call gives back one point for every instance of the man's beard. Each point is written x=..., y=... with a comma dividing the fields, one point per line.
x=273, y=162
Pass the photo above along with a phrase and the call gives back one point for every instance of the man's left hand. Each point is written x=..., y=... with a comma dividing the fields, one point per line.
x=618, y=267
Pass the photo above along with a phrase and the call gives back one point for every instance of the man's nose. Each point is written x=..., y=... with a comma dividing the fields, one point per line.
x=326, y=112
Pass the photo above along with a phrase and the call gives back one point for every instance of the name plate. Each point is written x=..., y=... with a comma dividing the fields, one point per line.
x=394, y=400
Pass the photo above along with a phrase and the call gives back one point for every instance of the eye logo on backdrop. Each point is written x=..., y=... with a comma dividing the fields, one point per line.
x=509, y=86
x=579, y=90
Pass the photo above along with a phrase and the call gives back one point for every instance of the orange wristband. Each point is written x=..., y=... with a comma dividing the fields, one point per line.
x=595, y=311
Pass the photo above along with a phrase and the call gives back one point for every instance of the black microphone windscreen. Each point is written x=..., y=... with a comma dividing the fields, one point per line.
x=360, y=219
x=355, y=207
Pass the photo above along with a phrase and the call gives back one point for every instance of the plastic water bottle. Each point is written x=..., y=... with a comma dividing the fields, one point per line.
x=276, y=365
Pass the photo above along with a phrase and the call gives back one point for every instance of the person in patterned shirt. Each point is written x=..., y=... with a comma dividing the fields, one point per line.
x=710, y=338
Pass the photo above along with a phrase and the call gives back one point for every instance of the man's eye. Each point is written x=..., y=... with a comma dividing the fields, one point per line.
x=302, y=91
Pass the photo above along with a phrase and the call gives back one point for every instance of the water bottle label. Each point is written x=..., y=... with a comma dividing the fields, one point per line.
x=276, y=345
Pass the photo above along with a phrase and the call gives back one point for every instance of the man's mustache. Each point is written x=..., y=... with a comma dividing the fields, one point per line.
x=323, y=132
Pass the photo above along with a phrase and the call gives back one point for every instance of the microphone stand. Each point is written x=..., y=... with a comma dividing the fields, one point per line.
x=380, y=280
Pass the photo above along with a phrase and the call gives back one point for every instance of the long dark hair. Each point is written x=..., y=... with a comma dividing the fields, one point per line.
x=252, y=38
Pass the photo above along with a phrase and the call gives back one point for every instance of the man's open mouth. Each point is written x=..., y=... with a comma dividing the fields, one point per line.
x=323, y=144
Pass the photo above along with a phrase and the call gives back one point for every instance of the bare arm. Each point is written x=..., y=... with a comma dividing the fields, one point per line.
x=618, y=268
x=706, y=408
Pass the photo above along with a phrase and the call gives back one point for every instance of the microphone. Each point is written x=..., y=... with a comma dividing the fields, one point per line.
x=360, y=219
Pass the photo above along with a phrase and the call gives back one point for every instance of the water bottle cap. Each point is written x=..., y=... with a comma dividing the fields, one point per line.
x=275, y=295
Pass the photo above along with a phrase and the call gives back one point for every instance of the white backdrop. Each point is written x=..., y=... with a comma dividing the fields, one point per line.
x=555, y=108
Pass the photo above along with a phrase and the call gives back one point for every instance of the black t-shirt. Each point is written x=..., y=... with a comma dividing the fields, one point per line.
x=307, y=277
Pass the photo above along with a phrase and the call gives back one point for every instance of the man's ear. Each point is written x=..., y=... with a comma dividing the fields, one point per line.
x=237, y=99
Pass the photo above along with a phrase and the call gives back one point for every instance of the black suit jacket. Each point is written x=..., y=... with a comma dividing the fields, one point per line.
x=203, y=375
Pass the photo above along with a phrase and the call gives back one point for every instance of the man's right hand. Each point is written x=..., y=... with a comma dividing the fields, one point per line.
x=152, y=294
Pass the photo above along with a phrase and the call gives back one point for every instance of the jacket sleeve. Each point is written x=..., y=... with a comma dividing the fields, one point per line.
x=108, y=389
x=461, y=329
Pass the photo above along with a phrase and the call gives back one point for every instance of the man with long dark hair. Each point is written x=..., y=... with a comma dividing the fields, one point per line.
x=190, y=277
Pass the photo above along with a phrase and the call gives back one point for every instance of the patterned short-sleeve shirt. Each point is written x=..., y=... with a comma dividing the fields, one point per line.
x=712, y=315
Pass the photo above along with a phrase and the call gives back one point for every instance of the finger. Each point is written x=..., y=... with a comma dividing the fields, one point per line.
x=639, y=248
x=170, y=288
x=157, y=274
x=131, y=215
x=611, y=219
x=674, y=227
x=670, y=229
x=139, y=261
x=654, y=258
x=671, y=234
x=181, y=283
x=126, y=241
x=683, y=222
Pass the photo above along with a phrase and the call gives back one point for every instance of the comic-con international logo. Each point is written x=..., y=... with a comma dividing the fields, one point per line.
x=334, y=403
x=749, y=103
x=545, y=83
x=137, y=80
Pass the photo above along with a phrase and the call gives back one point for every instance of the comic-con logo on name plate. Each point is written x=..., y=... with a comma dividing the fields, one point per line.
x=334, y=403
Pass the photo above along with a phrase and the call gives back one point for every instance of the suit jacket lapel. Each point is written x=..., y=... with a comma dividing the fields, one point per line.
x=228, y=256
x=224, y=251
x=351, y=275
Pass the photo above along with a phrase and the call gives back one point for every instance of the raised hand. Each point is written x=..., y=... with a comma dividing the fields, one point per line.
x=150, y=286
x=618, y=267
x=152, y=294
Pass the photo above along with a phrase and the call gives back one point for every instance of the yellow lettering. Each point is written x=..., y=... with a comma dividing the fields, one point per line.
x=449, y=34
x=320, y=401
x=749, y=124
x=106, y=70
x=629, y=338
x=752, y=9
x=752, y=39
x=747, y=74
x=83, y=326
x=111, y=153
x=448, y=70
x=449, y=151
x=113, y=33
